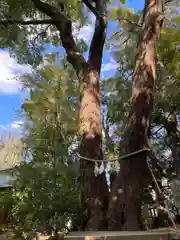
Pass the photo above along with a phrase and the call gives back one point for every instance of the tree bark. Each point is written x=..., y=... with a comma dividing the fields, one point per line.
x=95, y=189
x=125, y=206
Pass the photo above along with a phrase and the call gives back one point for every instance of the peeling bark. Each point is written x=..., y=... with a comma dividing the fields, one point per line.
x=128, y=188
x=95, y=189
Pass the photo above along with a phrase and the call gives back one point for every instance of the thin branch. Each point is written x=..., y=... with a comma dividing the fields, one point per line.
x=129, y=21
x=97, y=43
x=168, y=1
x=64, y=25
x=40, y=34
x=48, y=9
x=91, y=8
x=160, y=128
x=28, y=22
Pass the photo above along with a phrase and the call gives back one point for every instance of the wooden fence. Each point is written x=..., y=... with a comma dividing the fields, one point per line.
x=143, y=235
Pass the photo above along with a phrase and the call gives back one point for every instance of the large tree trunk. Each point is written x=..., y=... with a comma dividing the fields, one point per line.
x=125, y=205
x=95, y=189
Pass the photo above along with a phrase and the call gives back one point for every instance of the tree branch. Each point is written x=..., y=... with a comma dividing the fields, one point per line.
x=47, y=9
x=64, y=26
x=28, y=22
x=91, y=8
x=168, y=1
x=97, y=44
x=129, y=21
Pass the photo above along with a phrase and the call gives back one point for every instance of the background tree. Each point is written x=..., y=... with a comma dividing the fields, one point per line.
x=46, y=191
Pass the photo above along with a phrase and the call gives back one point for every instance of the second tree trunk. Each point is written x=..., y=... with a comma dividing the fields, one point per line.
x=125, y=205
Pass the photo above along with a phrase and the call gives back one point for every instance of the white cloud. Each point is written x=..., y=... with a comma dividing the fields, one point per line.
x=14, y=128
x=16, y=124
x=85, y=32
x=110, y=66
x=9, y=71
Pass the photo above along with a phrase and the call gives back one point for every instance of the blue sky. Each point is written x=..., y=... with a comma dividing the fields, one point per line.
x=11, y=97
